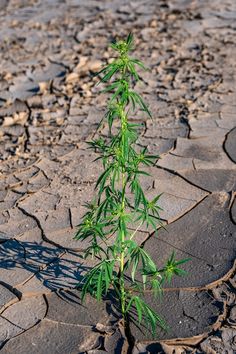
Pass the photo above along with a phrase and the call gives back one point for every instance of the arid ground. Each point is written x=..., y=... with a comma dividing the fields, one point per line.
x=50, y=106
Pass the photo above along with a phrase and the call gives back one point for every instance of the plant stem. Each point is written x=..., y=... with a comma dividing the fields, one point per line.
x=122, y=255
x=122, y=282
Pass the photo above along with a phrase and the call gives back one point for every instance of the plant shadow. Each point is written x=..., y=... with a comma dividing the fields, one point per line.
x=55, y=268
x=32, y=267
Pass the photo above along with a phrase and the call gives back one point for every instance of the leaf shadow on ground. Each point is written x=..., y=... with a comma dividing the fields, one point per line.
x=55, y=268
x=48, y=269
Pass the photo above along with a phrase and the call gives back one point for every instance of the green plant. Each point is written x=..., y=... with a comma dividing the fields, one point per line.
x=121, y=203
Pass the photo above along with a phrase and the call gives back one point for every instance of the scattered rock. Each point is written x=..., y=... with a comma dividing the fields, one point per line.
x=50, y=72
x=232, y=316
x=233, y=211
x=212, y=344
x=24, y=90
x=230, y=144
x=6, y=298
x=116, y=343
x=229, y=339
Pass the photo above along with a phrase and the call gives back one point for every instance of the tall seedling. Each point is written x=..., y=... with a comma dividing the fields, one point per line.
x=121, y=204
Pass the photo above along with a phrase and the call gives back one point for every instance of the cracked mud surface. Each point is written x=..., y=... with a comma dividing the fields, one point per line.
x=49, y=108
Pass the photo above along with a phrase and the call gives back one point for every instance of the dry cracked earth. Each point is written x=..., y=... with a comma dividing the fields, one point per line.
x=50, y=107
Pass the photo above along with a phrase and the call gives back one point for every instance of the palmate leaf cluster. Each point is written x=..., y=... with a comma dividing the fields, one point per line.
x=120, y=209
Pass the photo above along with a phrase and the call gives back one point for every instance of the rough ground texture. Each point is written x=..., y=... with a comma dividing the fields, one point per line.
x=49, y=107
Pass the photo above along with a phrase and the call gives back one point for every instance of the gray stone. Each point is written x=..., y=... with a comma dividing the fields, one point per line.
x=36, y=182
x=76, y=164
x=176, y=163
x=228, y=336
x=76, y=215
x=39, y=201
x=16, y=266
x=17, y=224
x=223, y=293
x=48, y=166
x=159, y=145
x=230, y=144
x=222, y=162
x=172, y=207
x=73, y=133
x=27, y=312
x=14, y=131
x=176, y=186
x=50, y=72
x=10, y=200
x=24, y=90
x=206, y=227
x=227, y=122
x=232, y=316
x=6, y=297
x=48, y=101
x=75, y=118
x=65, y=238
x=21, y=316
x=3, y=217
x=177, y=196
x=3, y=4
x=116, y=343
x=155, y=130
x=212, y=180
x=233, y=211
x=187, y=313
x=213, y=344
x=205, y=128
x=57, y=228
x=230, y=109
x=49, y=337
x=52, y=220
x=73, y=195
x=8, y=330
x=27, y=173
x=161, y=251
x=3, y=194
x=16, y=107
x=205, y=148
x=66, y=307
x=15, y=273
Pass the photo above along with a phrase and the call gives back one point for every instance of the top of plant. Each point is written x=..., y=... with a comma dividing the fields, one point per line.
x=123, y=69
x=124, y=46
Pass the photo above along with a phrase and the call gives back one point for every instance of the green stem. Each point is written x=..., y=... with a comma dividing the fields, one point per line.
x=122, y=255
